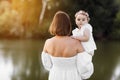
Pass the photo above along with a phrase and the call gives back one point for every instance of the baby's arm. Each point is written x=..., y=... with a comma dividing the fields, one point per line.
x=85, y=37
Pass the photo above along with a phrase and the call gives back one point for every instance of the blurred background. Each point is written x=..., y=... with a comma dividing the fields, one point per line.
x=24, y=28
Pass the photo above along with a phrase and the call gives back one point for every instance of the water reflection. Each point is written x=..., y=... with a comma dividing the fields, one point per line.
x=106, y=56
x=116, y=73
x=6, y=67
x=20, y=60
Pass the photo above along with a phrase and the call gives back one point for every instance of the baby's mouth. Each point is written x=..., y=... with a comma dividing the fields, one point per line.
x=81, y=24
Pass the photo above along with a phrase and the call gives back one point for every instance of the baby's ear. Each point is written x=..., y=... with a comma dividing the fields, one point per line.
x=88, y=19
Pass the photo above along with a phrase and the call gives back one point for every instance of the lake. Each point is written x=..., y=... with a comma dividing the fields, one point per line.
x=20, y=60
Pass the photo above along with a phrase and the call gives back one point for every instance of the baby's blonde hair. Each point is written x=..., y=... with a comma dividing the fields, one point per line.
x=83, y=13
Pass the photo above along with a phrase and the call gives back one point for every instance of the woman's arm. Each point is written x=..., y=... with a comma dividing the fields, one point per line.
x=45, y=45
x=85, y=37
x=46, y=61
x=45, y=57
x=84, y=65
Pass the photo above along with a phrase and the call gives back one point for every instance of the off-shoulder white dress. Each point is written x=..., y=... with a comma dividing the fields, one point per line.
x=78, y=67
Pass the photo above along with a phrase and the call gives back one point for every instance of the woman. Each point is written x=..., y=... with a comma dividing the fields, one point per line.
x=63, y=56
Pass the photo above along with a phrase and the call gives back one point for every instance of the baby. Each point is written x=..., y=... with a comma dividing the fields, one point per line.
x=84, y=32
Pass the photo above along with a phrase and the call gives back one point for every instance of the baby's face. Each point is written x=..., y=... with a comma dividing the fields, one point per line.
x=81, y=20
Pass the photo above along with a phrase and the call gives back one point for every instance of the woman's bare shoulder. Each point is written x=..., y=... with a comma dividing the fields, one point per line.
x=75, y=41
x=49, y=42
x=78, y=45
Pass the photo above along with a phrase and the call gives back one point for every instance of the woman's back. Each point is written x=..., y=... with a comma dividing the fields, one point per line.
x=63, y=46
x=60, y=54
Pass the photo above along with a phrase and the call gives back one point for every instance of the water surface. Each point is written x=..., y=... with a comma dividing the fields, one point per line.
x=20, y=60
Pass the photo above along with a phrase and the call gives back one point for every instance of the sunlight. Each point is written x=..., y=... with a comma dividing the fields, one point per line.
x=10, y=20
x=116, y=73
x=6, y=67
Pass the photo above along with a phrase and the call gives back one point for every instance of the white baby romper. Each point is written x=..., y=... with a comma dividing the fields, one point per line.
x=89, y=45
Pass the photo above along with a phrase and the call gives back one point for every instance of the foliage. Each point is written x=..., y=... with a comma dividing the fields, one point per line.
x=10, y=22
x=116, y=27
x=102, y=14
x=19, y=18
x=22, y=19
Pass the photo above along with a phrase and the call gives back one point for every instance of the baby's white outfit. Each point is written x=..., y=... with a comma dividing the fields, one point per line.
x=78, y=67
x=89, y=45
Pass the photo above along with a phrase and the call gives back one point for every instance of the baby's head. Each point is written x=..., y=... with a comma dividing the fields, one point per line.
x=81, y=18
x=82, y=12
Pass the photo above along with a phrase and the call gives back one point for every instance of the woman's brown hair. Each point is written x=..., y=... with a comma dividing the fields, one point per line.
x=61, y=24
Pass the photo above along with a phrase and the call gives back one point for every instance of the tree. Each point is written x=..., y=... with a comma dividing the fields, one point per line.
x=102, y=13
x=30, y=12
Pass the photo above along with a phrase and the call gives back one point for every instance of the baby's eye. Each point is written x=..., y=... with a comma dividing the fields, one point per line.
x=78, y=19
x=83, y=19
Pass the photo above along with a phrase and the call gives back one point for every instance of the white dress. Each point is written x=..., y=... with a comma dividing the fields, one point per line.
x=90, y=45
x=78, y=67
